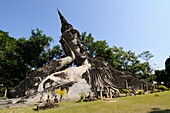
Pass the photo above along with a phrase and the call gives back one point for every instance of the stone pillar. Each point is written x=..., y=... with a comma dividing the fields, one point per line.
x=127, y=84
x=146, y=87
x=107, y=92
x=141, y=86
x=5, y=94
x=110, y=92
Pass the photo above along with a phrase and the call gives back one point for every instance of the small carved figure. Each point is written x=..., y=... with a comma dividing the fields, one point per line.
x=55, y=99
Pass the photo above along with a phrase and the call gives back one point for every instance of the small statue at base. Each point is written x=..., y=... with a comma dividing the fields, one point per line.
x=48, y=104
x=55, y=99
x=90, y=97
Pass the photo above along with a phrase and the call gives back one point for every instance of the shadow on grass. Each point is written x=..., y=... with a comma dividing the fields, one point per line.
x=158, y=110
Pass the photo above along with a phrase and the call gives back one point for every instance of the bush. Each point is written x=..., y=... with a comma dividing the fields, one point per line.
x=125, y=91
x=61, y=92
x=155, y=90
x=140, y=92
x=162, y=88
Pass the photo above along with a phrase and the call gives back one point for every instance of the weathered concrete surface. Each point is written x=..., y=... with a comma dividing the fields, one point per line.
x=76, y=91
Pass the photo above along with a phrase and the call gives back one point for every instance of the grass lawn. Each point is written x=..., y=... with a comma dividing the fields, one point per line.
x=150, y=103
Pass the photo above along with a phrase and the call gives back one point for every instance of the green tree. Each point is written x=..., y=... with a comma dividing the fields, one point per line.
x=9, y=74
x=124, y=60
x=93, y=48
x=167, y=69
x=141, y=70
x=146, y=55
x=119, y=60
x=100, y=48
x=161, y=76
x=110, y=57
x=167, y=66
x=88, y=42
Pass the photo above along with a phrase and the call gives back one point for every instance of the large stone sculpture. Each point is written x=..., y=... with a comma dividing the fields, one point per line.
x=82, y=77
x=45, y=80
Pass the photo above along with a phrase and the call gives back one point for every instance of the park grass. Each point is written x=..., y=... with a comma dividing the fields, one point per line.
x=150, y=103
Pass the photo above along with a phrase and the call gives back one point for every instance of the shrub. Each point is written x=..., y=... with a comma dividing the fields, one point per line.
x=140, y=92
x=125, y=91
x=162, y=88
x=155, y=90
x=61, y=92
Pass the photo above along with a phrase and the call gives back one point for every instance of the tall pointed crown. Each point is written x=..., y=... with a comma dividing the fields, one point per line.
x=65, y=24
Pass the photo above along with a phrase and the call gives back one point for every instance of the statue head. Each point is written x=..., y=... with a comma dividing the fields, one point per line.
x=73, y=40
x=65, y=25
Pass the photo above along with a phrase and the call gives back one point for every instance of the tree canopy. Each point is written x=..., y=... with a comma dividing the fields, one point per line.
x=167, y=69
x=8, y=62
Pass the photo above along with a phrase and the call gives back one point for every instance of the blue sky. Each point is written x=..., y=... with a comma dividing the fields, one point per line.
x=135, y=25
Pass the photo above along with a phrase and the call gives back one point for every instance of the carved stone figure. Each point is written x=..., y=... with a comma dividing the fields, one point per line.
x=45, y=80
x=80, y=78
